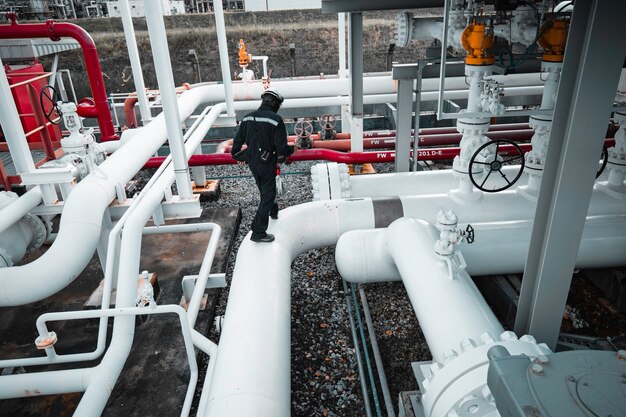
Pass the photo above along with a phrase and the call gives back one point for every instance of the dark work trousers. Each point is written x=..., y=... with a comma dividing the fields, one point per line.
x=266, y=182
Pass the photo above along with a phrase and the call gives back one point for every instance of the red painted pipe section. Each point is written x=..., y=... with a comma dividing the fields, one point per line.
x=56, y=30
x=425, y=154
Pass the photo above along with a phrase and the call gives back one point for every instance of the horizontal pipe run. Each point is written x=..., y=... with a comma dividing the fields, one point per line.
x=44, y=383
x=136, y=311
x=362, y=257
x=12, y=213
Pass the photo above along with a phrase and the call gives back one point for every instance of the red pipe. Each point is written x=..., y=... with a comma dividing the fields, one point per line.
x=429, y=154
x=55, y=31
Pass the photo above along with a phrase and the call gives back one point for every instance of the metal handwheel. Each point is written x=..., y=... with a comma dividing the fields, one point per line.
x=50, y=99
x=303, y=128
x=327, y=121
x=492, y=156
x=603, y=161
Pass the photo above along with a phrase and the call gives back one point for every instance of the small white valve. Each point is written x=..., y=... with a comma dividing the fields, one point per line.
x=146, y=292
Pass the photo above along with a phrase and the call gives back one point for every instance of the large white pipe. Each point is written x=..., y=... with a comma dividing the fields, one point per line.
x=255, y=342
x=96, y=395
x=450, y=310
x=220, y=28
x=135, y=62
x=80, y=225
x=165, y=77
x=79, y=229
x=499, y=248
x=12, y=127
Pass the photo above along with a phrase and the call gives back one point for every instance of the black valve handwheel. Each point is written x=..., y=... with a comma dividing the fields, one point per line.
x=327, y=121
x=469, y=234
x=492, y=157
x=48, y=99
x=603, y=161
x=303, y=129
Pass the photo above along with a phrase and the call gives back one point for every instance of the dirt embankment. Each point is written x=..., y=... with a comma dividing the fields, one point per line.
x=266, y=33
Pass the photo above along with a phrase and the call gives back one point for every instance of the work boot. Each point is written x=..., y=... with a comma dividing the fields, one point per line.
x=265, y=239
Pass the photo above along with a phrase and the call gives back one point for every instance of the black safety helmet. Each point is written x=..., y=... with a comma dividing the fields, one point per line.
x=273, y=98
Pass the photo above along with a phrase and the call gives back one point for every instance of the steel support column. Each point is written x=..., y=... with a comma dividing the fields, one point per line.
x=12, y=128
x=593, y=59
x=135, y=62
x=165, y=78
x=355, y=43
x=406, y=75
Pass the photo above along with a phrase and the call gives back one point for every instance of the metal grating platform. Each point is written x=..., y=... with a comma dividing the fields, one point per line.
x=9, y=166
x=29, y=49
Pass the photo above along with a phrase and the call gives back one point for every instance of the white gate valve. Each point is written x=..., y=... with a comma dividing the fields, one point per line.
x=146, y=292
x=450, y=235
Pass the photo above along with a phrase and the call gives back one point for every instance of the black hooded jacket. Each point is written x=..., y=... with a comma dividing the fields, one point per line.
x=264, y=132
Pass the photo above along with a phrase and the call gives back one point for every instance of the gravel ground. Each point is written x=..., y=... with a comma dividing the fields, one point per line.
x=325, y=379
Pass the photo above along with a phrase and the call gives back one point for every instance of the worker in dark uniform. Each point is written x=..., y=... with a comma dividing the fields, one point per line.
x=264, y=133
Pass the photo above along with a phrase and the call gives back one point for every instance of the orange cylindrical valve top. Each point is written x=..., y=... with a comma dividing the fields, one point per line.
x=476, y=40
x=244, y=57
x=552, y=40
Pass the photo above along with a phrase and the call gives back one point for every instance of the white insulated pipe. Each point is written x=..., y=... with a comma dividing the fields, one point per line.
x=80, y=225
x=135, y=62
x=12, y=127
x=450, y=310
x=500, y=248
x=220, y=28
x=14, y=212
x=255, y=342
x=163, y=68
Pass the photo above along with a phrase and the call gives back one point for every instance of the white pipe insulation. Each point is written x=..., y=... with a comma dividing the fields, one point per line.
x=80, y=225
x=259, y=302
x=450, y=310
x=458, y=325
x=14, y=211
x=500, y=248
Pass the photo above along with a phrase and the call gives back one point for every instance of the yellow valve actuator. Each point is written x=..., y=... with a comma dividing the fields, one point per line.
x=476, y=40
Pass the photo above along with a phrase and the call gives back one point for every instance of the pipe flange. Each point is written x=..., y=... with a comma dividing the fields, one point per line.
x=40, y=231
x=5, y=259
x=445, y=387
x=403, y=29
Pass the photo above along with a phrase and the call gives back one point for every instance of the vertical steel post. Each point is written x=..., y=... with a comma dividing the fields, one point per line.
x=593, y=60
x=12, y=128
x=405, y=74
x=355, y=44
x=135, y=62
x=341, y=27
x=165, y=78
x=220, y=28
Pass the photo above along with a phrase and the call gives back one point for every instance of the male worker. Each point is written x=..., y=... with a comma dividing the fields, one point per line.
x=264, y=133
